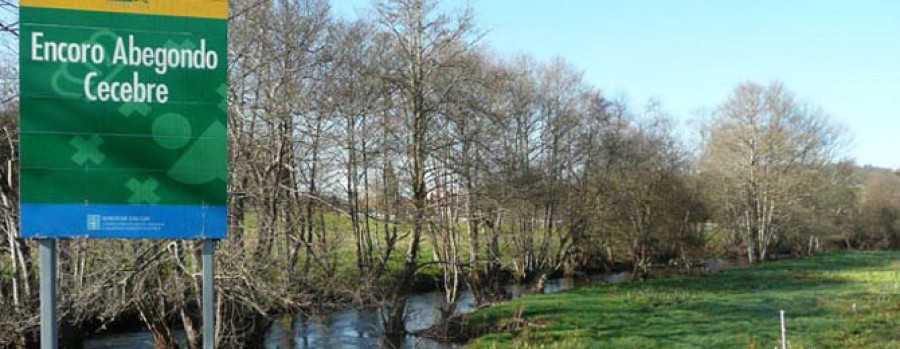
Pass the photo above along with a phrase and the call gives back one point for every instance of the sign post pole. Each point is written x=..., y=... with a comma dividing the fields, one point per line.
x=49, y=331
x=209, y=305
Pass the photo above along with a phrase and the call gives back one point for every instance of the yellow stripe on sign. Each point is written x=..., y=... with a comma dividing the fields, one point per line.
x=181, y=8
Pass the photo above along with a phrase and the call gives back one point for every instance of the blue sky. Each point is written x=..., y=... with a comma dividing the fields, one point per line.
x=689, y=54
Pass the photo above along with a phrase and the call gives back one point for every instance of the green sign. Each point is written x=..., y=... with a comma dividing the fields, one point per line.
x=123, y=118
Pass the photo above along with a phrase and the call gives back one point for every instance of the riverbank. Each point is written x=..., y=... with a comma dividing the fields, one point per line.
x=355, y=327
x=837, y=300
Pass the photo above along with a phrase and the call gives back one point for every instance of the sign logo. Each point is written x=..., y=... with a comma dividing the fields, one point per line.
x=93, y=222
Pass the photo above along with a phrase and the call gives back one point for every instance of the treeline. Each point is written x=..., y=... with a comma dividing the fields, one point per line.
x=374, y=157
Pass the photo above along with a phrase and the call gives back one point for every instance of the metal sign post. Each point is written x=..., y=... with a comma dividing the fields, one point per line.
x=49, y=329
x=209, y=288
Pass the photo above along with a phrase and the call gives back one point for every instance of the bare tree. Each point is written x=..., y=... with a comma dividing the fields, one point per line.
x=646, y=201
x=19, y=305
x=760, y=146
x=9, y=18
x=427, y=46
x=880, y=211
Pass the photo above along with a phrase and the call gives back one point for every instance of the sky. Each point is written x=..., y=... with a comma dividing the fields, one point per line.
x=689, y=54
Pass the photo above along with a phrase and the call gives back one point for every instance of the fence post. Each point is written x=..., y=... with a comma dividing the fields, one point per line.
x=783, y=332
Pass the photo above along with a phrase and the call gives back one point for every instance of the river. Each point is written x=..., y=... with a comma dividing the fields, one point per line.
x=354, y=328
x=361, y=328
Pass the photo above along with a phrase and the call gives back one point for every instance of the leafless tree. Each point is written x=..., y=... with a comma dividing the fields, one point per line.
x=645, y=197
x=761, y=145
x=19, y=300
x=880, y=211
x=428, y=46
x=9, y=18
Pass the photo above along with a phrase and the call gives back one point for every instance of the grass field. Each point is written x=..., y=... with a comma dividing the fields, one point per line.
x=838, y=300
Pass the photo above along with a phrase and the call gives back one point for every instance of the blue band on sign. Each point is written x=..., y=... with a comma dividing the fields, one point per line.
x=52, y=221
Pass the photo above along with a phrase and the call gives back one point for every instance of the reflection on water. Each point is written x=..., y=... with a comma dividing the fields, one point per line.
x=361, y=328
x=137, y=340
x=358, y=328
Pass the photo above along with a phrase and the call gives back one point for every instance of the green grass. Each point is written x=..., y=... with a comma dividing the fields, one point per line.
x=733, y=309
x=339, y=230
